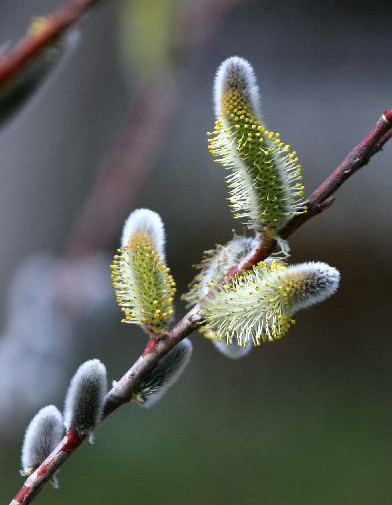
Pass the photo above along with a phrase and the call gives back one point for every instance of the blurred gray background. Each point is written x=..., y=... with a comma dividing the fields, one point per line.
x=304, y=421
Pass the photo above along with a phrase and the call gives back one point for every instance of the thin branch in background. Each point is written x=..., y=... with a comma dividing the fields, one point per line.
x=128, y=166
x=123, y=390
x=125, y=170
x=68, y=15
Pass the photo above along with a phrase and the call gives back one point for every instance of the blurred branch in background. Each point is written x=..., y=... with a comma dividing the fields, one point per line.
x=24, y=65
x=53, y=25
x=125, y=171
x=63, y=290
x=158, y=55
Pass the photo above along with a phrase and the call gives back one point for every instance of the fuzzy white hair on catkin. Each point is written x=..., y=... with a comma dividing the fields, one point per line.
x=234, y=251
x=233, y=350
x=43, y=434
x=216, y=264
x=322, y=281
x=85, y=398
x=165, y=373
x=150, y=222
x=258, y=305
x=236, y=72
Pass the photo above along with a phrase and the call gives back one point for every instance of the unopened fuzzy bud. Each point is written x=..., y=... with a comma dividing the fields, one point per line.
x=257, y=306
x=264, y=179
x=42, y=435
x=164, y=374
x=85, y=398
x=143, y=285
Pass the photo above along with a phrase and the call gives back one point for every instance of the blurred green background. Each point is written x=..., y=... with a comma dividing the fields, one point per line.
x=304, y=421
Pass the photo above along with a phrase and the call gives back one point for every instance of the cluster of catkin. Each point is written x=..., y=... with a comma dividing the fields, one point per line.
x=265, y=191
x=241, y=311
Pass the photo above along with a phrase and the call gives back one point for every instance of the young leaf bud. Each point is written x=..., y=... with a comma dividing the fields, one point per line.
x=143, y=285
x=164, y=374
x=42, y=435
x=85, y=398
x=258, y=305
x=264, y=180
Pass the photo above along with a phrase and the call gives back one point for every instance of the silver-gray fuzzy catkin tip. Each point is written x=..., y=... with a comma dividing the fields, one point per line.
x=42, y=435
x=85, y=398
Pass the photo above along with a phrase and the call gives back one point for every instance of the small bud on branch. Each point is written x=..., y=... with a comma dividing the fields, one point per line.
x=42, y=435
x=85, y=398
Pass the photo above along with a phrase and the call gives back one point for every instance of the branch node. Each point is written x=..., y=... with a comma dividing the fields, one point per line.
x=387, y=117
x=326, y=204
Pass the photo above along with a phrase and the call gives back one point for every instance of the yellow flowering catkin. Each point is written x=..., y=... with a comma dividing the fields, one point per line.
x=257, y=306
x=264, y=180
x=215, y=265
x=143, y=285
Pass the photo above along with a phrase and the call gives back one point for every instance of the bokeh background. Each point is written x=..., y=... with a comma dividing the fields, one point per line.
x=120, y=124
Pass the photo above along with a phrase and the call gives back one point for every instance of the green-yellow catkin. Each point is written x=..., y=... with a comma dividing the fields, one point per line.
x=142, y=282
x=257, y=306
x=264, y=180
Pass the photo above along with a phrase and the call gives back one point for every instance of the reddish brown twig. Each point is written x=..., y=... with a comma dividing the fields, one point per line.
x=48, y=468
x=12, y=59
x=122, y=391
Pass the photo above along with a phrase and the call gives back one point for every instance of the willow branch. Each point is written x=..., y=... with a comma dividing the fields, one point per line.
x=12, y=59
x=320, y=200
x=123, y=390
